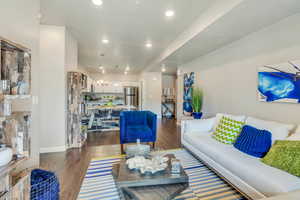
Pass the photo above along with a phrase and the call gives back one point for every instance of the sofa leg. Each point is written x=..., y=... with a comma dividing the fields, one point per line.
x=122, y=148
x=153, y=145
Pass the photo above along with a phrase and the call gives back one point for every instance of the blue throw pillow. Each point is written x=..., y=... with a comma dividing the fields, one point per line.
x=254, y=142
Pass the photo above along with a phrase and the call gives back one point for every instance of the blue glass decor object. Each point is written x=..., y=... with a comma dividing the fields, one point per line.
x=187, y=107
x=188, y=82
x=279, y=84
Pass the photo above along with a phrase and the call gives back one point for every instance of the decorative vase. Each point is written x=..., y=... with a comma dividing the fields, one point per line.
x=187, y=107
x=197, y=115
x=5, y=156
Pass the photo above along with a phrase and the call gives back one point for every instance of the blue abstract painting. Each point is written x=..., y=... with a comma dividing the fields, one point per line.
x=188, y=82
x=280, y=83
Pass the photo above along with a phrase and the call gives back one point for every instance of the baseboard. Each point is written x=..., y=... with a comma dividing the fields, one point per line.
x=53, y=149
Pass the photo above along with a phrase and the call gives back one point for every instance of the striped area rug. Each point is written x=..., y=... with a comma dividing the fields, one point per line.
x=203, y=183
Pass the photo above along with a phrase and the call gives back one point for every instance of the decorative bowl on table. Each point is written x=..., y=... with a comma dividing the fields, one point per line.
x=148, y=166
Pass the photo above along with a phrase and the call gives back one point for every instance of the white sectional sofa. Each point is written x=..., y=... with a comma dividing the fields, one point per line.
x=247, y=173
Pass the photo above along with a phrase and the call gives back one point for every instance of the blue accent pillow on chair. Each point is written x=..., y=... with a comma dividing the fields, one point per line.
x=254, y=142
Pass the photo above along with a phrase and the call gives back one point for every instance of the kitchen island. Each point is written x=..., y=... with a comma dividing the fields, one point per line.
x=104, y=117
x=102, y=109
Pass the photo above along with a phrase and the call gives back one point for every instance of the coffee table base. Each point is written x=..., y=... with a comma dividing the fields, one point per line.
x=166, y=192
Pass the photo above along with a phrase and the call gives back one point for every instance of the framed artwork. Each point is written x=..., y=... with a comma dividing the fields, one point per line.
x=188, y=82
x=279, y=83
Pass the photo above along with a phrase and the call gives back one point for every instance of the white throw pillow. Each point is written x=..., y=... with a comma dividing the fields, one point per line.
x=279, y=131
x=219, y=116
x=296, y=135
x=298, y=129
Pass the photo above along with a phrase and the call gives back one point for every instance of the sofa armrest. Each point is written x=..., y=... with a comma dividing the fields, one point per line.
x=203, y=125
x=152, y=123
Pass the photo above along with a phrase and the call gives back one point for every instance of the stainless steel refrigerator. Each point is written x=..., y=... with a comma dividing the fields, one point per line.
x=131, y=96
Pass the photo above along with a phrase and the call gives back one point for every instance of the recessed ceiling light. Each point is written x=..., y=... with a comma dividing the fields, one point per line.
x=97, y=2
x=169, y=13
x=178, y=72
x=40, y=16
x=163, y=68
x=105, y=41
x=148, y=45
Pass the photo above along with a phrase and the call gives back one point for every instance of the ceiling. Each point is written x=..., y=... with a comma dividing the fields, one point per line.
x=127, y=24
x=198, y=28
x=247, y=17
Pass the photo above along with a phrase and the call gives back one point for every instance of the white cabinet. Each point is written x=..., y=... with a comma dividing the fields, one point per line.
x=98, y=89
x=119, y=89
x=108, y=89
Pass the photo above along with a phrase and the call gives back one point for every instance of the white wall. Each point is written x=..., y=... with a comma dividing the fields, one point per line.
x=179, y=97
x=19, y=23
x=229, y=75
x=152, y=92
x=71, y=51
x=168, y=81
x=52, y=88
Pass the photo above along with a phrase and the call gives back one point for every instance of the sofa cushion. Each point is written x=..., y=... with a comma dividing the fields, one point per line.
x=134, y=132
x=284, y=155
x=254, y=142
x=279, y=131
x=228, y=130
x=268, y=180
x=234, y=117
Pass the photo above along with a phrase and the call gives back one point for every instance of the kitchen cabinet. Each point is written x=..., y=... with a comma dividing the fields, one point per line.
x=108, y=89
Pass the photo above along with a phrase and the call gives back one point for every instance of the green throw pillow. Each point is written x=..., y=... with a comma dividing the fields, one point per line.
x=228, y=130
x=284, y=155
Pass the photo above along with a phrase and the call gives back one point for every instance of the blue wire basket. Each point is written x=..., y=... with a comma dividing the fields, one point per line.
x=44, y=185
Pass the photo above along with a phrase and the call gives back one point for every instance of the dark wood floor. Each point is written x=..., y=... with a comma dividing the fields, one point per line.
x=71, y=166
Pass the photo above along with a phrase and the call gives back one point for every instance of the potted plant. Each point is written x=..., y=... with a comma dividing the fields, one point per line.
x=197, y=102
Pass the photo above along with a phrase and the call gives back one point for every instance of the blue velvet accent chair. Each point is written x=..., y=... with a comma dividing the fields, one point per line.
x=137, y=125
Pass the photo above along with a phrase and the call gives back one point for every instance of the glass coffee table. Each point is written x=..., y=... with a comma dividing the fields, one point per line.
x=162, y=185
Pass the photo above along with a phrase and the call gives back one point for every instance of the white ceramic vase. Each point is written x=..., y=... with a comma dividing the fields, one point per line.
x=6, y=155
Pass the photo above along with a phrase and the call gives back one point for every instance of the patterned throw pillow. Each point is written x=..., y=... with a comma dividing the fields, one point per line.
x=284, y=155
x=228, y=130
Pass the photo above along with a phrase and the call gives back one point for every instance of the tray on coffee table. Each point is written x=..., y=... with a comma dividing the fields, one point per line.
x=160, y=186
x=125, y=177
